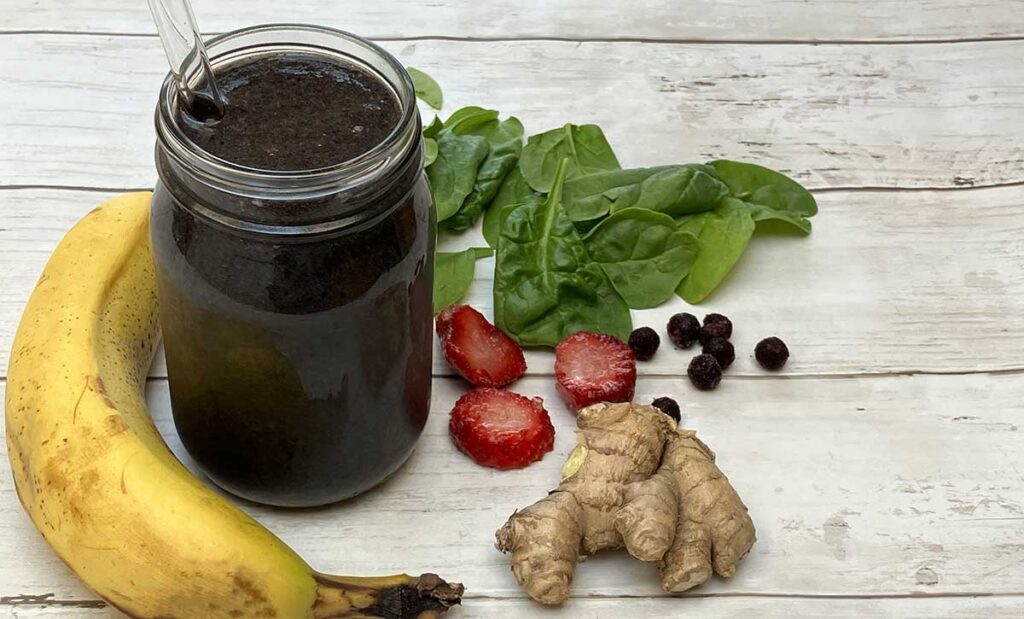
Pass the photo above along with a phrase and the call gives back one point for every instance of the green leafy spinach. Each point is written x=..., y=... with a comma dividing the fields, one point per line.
x=644, y=254
x=434, y=128
x=429, y=151
x=584, y=146
x=675, y=190
x=648, y=231
x=426, y=87
x=453, y=173
x=465, y=119
x=513, y=192
x=545, y=285
x=453, y=274
x=505, y=142
x=723, y=235
x=770, y=195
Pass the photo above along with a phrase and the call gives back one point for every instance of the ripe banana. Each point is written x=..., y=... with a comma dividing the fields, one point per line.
x=100, y=484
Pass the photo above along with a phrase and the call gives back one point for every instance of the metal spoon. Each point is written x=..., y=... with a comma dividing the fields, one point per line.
x=186, y=54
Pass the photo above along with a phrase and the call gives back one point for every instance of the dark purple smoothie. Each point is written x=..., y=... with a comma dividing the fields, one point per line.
x=299, y=363
x=297, y=111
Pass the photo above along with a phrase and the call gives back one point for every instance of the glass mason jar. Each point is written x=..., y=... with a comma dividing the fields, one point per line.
x=296, y=305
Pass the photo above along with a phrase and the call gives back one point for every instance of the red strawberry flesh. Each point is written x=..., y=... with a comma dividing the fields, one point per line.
x=501, y=429
x=592, y=368
x=480, y=352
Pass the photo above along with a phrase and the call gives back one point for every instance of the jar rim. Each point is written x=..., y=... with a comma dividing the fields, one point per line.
x=290, y=183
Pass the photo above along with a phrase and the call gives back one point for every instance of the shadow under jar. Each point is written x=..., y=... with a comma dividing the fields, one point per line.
x=293, y=242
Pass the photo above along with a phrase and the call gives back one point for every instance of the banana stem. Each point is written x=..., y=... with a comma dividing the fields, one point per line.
x=392, y=597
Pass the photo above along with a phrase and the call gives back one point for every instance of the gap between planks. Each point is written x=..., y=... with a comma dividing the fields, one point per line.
x=753, y=377
x=966, y=185
x=47, y=599
x=548, y=39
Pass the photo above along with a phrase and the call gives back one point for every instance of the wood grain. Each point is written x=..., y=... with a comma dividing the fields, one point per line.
x=79, y=108
x=870, y=486
x=886, y=283
x=785, y=20
x=643, y=608
x=878, y=488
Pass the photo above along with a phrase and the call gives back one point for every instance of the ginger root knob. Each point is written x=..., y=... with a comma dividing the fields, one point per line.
x=634, y=481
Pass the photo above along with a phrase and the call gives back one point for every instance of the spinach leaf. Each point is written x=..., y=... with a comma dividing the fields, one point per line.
x=426, y=88
x=583, y=145
x=434, y=128
x=723, y=234
x=429, y=151
x=494, y=217
x=591, y=197
x=513, y=192
x=759, y=212
x=772, y=195
x=694, y=224
x=545, y=285
x=674, y=190
x=643, y=253
x=505, y=141
x=453, y=174
x=453, y=274
x=466, y=119
x=677, y=190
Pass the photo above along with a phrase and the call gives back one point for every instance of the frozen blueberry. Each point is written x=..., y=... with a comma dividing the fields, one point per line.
x=668, y=406
x=704, y=372
x=722, y=350
x=683, y=330
x=715, y=325
x=771, y=353
x=644, y=342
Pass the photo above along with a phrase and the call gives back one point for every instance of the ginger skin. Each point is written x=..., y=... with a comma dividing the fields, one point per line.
x=615, y=448
x=715, y=530
x=633, y=481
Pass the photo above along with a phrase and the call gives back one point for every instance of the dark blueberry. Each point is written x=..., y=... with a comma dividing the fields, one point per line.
x=715, y=325
x=720, y=349
x=668, y=406
x=644, y=342
x=704, y=372
x=771, y=353
x=683, y=330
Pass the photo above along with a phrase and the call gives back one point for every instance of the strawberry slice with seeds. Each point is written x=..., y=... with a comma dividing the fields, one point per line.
x=501, y=429
x=480, y=352
x=592, y=368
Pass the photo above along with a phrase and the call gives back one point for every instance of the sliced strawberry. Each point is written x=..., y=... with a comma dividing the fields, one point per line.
x=478, y=350
x=501, y=429
x=592, y=368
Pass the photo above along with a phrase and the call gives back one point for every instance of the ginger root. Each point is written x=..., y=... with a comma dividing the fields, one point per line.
x=633, y=481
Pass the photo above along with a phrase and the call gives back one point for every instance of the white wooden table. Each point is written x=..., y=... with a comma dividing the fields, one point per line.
x=883, y=469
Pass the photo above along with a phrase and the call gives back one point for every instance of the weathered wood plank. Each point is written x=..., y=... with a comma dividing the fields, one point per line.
x=780, y=20
x=887, y=282
x=79, y=108
x=868, y=486
x=647, y=608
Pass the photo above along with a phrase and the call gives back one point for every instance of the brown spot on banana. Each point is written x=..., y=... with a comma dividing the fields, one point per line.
x=96, y=385
x=115, y=425
x=54, y=476
x=249, y=587
x=256, y=602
